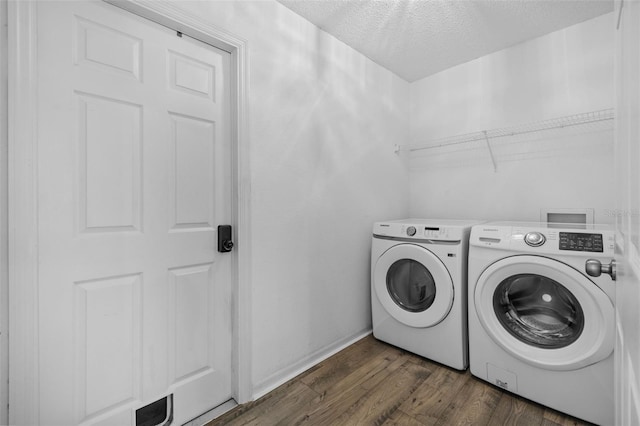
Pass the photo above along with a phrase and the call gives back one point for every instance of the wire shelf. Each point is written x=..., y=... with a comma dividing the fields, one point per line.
x=593, y=117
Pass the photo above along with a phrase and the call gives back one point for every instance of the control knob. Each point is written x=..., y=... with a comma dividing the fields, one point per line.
x=534, y=239
x=411, y=231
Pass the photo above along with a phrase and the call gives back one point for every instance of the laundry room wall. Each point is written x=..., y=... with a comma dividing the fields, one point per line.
x=560, y=74
x=324, y=120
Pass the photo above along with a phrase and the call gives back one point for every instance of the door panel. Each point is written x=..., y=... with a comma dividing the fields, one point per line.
x=133, y=179
x=107, y=314
x=192, y=142
x=109, y=163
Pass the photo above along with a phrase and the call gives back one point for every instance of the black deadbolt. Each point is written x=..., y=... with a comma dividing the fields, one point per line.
x=225, y=242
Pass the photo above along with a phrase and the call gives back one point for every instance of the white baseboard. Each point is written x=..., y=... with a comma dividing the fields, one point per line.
x=212, y=414
x=288, y=373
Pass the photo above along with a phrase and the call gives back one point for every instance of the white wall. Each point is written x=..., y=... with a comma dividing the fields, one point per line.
x=563, y=73
x=324, y=120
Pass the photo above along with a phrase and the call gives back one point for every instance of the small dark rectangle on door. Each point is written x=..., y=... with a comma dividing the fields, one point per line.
x=158, y=413
x=225, y=242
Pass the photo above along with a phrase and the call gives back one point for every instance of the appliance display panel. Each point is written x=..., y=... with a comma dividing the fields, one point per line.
x=579, y=241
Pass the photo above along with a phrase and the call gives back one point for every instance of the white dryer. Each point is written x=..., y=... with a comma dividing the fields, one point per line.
x=418, y=287
x=541, y=314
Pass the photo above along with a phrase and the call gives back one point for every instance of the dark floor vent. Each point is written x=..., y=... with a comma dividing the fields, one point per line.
x=158, y=413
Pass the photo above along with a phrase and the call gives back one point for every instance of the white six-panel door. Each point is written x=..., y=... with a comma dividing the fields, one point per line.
x=133, y=179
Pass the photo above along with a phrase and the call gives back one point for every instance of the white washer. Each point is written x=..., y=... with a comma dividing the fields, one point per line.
x=541, y=314
x=418, y=287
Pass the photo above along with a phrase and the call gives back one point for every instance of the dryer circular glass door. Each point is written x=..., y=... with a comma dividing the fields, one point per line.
x=545, y=313
x=413, y=285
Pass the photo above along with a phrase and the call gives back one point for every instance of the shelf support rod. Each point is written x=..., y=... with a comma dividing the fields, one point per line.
x=620, y=14
x=493, y=159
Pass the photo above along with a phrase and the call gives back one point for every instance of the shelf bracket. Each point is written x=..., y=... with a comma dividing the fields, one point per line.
x=620, y=14
x=493, y=159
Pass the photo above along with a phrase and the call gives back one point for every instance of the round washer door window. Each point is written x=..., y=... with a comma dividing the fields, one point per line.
x=545, y=313
x=538, y=310
x=413, y=285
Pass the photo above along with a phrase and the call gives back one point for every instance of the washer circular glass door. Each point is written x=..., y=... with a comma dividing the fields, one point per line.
x=545, y=313
x=413, y=285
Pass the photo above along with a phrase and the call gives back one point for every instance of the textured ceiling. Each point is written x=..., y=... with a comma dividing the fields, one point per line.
x=418, y=38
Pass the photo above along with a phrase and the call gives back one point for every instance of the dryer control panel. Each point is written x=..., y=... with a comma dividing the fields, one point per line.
x=437, y=233
x=421, y=231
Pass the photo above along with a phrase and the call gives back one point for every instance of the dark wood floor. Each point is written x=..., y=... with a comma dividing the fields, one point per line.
x=372, y=383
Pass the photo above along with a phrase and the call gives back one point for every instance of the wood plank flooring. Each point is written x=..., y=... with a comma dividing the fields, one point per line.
x=372, y=383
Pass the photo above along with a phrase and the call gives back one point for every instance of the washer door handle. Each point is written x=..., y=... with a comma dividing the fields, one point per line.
x=594, y=268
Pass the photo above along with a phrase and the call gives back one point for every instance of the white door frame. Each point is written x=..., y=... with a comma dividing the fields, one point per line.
x=23, y=191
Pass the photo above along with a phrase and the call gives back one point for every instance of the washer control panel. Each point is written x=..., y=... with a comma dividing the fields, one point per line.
x=575, y=241
x=542, y=239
